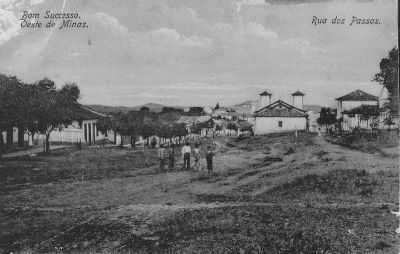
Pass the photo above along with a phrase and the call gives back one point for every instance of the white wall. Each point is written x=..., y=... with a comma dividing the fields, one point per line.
x=264, y=101
x=264, y=125
x=297, y=101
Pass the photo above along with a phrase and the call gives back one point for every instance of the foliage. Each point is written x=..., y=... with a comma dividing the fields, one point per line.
x=232, y=126
x=39, y=107
x=195, y=111
x=388, y=76
x=326, y=117
x=146, y=124
x=171, y=109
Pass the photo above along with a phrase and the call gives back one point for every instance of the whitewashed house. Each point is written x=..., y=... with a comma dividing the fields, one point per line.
x=280, y=116
x=358, y=109
x=353, y=100
x=83, y=129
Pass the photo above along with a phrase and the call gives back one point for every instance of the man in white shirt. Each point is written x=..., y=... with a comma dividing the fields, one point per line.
x=186, y=150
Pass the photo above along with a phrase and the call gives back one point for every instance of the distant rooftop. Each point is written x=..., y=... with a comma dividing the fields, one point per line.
x=265, y=93
x=298, y=93
x=358, y=95
x=85, y=113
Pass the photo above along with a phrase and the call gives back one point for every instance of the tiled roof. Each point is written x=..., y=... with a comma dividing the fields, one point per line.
x=83, y=113
x=280, y=108
x=298, y=93
x=265, y=93
x=358, y=95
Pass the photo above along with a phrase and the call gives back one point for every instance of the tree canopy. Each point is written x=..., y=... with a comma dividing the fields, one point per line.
x=388, y=76
x=327, y=116
x=39, y=107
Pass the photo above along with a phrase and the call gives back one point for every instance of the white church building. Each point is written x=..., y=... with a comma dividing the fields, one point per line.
x=280, y=116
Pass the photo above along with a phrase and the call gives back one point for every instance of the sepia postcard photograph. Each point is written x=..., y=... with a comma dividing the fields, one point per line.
x=199, y=127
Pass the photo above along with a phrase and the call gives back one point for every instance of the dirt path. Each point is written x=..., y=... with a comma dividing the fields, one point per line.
x=31, y=151
x=149, y=205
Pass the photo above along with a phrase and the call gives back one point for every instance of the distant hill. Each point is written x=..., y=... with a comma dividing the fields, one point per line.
x=315, y=108
x=248, y=103
x=109, y=109
x=154, y=107
x=245, y=107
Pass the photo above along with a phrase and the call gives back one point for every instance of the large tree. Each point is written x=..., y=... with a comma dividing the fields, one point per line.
x=13, y=106
x=388, y=76
x=53, y=107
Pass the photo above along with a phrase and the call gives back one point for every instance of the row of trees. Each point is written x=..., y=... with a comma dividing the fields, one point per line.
x=144, y=124
x=34, y=108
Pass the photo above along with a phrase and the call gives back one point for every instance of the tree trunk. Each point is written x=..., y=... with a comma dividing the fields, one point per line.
x=115, y=137
x=9, y=137
x=133, y=142
x=122, y=141
x=47, y=143
x=1, y=143
x=20, y=136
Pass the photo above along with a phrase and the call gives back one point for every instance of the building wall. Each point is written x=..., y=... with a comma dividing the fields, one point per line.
x=73, y=133
x=297, y=101
x=264, y=101
x=264, y=125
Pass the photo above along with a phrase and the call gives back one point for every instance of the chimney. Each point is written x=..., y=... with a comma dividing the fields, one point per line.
x=265, y=99
x=298, y=99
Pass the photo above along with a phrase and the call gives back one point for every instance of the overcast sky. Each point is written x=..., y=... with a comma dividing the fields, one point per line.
x=191, y=52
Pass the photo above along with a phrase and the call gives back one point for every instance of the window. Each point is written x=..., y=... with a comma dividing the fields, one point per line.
x=280, y=124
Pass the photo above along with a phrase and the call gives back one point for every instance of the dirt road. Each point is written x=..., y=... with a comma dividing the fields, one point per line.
x=267, y=194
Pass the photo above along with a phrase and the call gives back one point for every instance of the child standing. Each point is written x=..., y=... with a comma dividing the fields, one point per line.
x=162, y=157
x=209, y=159
x=196, y=155
x=186, y=156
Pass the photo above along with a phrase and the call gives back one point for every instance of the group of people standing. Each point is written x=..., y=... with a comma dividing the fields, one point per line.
x=167, y=153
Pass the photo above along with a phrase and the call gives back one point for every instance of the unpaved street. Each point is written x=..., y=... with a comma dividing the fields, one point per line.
x=267, y=195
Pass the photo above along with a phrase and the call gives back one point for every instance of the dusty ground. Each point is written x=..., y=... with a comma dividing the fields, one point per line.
x=267, y=195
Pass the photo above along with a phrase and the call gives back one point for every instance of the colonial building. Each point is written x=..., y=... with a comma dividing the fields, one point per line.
x=83, y=129
x=280, y=116
x=359, y=109
x=353, y=100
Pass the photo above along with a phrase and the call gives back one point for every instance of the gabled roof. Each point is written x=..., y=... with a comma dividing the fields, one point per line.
x=298, y=93
x=265, y=93
x=358, y=95
x=280, y=108
x=84, y=113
